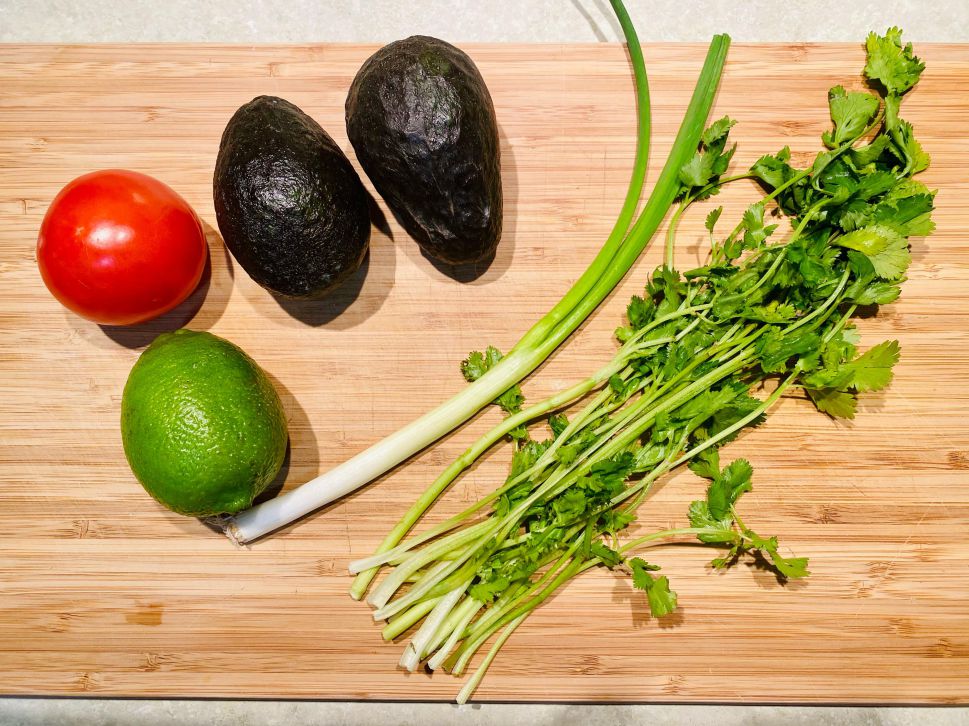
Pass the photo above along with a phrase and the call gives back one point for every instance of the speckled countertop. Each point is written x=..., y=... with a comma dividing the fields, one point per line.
x=268, y=21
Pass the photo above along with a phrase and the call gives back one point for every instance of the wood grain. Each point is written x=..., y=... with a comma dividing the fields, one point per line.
x=102, y=592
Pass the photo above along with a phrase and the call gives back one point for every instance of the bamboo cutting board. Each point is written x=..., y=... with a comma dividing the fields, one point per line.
x=103, y=592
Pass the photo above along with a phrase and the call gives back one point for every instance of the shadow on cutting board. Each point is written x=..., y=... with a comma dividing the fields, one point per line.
x=606, y=13
x=202, y=308
x=638, y=605
x=302, y=446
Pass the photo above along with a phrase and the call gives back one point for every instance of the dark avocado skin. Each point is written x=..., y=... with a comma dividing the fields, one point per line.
x=423, y=127
x=290, y=207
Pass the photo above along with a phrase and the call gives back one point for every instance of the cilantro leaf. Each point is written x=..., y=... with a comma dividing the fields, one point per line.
x=791, y=568
x=477, y=364
x=776, y=349
x=558, y=423
x=716, y=133
x=662, y=600
x=567, y=454
x=569, y=506
x=876, y=292
x=614, y=521
x=640, y=312
x=851, y=113
x=609, y=557
x=788, y=567
x=883, y=246
x=699, y=514
x=908, y=149
x=727, y=487
x=872, y=371
x=755, y=233
x=862, y=156
x=774, y=170
x=708, y=163
x=773, y=312
x=909, y=216
x=893, y=65
x=488, y=591
x=706, y=463
x=833, y=402
x=712, y=216
x=526, y=454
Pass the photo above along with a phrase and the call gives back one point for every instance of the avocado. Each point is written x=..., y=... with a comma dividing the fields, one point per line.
x=423, y=127
x=289, y=205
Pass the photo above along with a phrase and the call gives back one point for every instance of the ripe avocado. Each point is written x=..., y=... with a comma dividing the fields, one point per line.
x=290, y=207
x=423, y=126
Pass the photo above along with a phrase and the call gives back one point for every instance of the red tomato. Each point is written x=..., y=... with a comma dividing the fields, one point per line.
x=119, y=247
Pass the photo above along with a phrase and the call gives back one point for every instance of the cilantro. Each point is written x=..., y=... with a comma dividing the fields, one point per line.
x=893, y=65
x=662, y=600
x=834, y=402
x=711, y=220
x=609, y=557
x=774, y=170
x=640, y=311
x=872, y=371
x=777, y=349
x=727, y=487
x=862, y=156
x=526, y=454
x=764, y=315
x=716, y=511
x=787, y=567
x=614, y=521
x=885, y=248
x=567, y=454
x=754, y=230
x=706, y=463
x=908, y=216
x=477, y=364
x=851, y=113
x=869, y=372
x=708, y=163
x=908, y=149
x=557, y=422
x=487, y=591
x=876, y=292
x=617, y=384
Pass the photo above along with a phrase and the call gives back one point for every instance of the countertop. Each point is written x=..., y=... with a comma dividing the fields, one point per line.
x=282, y=21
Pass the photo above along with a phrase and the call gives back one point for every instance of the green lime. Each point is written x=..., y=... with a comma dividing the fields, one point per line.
x=202, y=426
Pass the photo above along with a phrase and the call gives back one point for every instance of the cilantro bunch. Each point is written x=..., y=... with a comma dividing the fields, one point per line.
x=769, y=311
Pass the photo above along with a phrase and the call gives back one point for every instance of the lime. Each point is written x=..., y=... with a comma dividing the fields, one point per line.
x=202, y=426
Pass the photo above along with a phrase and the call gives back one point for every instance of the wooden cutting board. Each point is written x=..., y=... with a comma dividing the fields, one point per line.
x=103, y=592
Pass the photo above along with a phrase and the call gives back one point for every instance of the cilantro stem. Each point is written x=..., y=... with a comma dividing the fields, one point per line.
x=471, y=686
x=658, y=537
x=380, y=596
x=671, y=231
x=824, y=307
x=836, y=328
x=741, y=423
x=470, y=608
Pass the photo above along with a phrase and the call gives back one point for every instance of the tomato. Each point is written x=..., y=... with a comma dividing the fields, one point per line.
x=119, y=247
